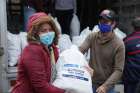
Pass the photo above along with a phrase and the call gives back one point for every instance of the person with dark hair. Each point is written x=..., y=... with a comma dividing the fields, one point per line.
x=131, y=76
x=36, y=69
x=64, y=10
x=107, y=54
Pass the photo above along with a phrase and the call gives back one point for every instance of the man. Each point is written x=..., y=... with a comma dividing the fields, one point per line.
x=107, y=54
x=131, y=75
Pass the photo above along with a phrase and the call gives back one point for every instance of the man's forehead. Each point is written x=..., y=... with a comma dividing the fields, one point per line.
x=105, y=12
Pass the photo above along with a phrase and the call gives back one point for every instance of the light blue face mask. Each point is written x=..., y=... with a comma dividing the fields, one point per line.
x=47, y=38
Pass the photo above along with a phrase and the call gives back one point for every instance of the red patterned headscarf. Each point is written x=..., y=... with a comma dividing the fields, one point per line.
x=33, y=18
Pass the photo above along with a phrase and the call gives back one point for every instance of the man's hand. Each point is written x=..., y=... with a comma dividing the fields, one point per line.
x=101, y=89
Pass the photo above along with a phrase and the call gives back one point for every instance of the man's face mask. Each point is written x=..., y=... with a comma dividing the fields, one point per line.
x=47, y=38
x=104, y=27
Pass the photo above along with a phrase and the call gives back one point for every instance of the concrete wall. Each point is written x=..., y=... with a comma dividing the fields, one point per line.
x=3, y=43
x=127, y=10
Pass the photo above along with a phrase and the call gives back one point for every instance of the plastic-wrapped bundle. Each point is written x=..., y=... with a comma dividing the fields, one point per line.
x=64, y=42
x=75, y=26
x=14, y=48
x=16, y=43
x=71, y=71
x=23, y=39
x=78, y=40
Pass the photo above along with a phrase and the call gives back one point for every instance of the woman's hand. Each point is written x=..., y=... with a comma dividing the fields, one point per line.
x=90, y=70
x=101, y=89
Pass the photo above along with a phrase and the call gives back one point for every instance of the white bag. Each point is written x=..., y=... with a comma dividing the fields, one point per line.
x=95, y=29
x=75, y=26
x=64, y=42
x=23, y=39
x=72, y=75
x=16, y=43
x=78, y=40
x=13, y=48
x=119, y=33
x=85, y=33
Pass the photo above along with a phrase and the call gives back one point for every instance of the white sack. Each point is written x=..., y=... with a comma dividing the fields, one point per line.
x=75, y=26
x=64, y=42
x=71, y=73
x=85, y=33
x=78, y=40
x=13, y=48
x=119, y=33
x=95, y=29
x=16, y=43
x=23, y=39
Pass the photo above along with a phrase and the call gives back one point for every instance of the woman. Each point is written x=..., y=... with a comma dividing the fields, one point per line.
x=35, y=68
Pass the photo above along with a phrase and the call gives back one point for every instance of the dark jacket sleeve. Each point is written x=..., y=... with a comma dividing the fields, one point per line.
x=35, y=69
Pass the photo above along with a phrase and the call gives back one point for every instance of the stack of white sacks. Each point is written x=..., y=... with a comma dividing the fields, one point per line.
x=15, y=44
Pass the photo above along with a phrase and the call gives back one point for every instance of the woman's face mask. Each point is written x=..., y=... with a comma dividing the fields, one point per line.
x=47, y=38
x=46, y=34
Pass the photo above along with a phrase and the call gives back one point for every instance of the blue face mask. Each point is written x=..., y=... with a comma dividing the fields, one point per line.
x=47, y=38
x=104, y=27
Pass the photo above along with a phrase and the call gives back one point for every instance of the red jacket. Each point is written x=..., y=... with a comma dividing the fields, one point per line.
x=34, y=71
